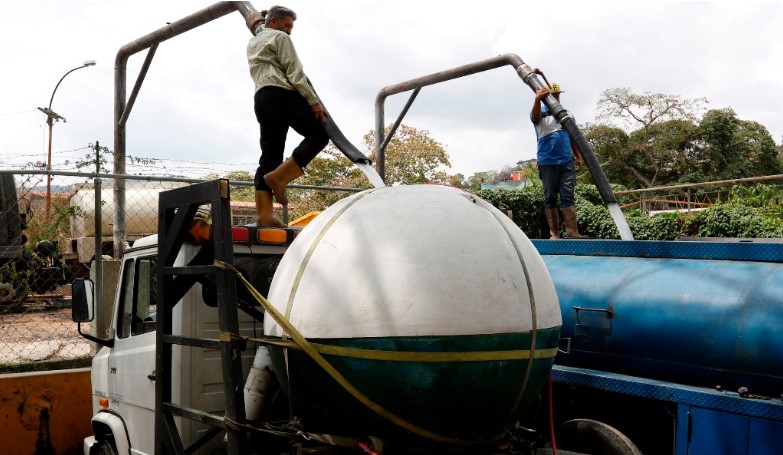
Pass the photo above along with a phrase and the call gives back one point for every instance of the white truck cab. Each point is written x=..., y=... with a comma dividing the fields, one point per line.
x=124, y=369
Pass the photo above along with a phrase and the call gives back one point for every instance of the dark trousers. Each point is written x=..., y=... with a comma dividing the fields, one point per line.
x=278, y=109
x=558, y=179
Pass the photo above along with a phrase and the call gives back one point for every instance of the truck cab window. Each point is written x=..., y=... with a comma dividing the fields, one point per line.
x=138, y=304
x=125, y=305
x=145, y=303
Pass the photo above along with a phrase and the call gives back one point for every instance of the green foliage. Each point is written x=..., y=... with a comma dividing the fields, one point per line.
x=666, y=142
x=412, y=156
x=735, y=148
x=732, y=220
x=766, y=198
x=596, y=221
x=664, y=226
x=526, y=206
x=749, y=212
x=57, y=228
x=330, y=169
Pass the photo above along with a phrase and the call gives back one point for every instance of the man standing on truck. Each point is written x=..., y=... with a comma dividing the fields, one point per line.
x=555, y=156
x=283, y=99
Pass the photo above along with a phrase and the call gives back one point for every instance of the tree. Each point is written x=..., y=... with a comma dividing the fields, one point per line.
x=238, y=193
x=663, y=129
x=610, y=145
x=329, y=169
x=412, y=156
x=647, y=109
x=734, y=148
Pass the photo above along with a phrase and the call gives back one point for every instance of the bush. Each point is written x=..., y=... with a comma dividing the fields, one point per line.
x=527, y=207
x=751, y=212
x=732, y=220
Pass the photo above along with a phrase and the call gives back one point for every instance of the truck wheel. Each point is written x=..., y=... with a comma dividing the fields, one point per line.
x=104, y=447
x=592, y=436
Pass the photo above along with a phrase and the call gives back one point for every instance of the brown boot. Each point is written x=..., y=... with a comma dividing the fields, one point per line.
x=569, y=218
x=281, y=177
x=554, y=223
x=264, y=210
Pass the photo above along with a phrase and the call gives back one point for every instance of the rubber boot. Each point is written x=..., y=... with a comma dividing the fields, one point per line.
x=281, y=177
x=264, y=211
x=569, y=219
x=553, y=222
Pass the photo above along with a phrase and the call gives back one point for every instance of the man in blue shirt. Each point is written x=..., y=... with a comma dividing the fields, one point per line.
x=555, y=156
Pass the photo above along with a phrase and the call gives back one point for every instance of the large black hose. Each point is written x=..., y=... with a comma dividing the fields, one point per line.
x=604, y=189
x=342, y=144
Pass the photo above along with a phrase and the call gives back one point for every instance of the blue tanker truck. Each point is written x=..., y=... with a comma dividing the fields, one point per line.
x=675, y=344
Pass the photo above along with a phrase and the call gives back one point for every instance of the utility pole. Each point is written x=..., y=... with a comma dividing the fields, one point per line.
x=97, y=157
x=51, y=116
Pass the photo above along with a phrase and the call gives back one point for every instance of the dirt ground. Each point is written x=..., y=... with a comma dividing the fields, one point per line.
x=41, y=334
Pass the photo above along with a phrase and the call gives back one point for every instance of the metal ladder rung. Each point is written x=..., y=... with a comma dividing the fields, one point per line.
x=190, y=270
x=206, y=343
x=195, y=414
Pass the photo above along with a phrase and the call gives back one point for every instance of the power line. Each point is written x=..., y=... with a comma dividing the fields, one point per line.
x=17, y=113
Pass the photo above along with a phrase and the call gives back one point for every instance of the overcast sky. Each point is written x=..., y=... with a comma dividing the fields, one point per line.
x=195, y=112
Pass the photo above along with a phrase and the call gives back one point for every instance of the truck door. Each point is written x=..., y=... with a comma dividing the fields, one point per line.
x=132, y=360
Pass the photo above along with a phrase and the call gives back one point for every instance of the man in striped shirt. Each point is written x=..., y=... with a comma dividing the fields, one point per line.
x=555, y=157
x=283, y=99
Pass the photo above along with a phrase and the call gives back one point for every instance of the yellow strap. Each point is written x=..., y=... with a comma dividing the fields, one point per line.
x=308, y=348
x=416, y=356
x=532, y=299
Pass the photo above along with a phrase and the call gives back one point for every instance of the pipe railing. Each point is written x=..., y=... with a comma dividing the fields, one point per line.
x=123, y=105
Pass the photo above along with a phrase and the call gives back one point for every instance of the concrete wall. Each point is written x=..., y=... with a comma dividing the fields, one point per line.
x=45, y=413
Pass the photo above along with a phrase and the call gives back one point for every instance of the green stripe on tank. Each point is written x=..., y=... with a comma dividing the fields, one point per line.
x=466, y=400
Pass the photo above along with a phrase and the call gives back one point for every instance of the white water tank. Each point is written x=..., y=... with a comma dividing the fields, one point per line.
x=429, y=302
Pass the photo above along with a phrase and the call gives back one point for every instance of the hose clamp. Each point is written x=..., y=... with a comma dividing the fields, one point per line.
x=525, y=72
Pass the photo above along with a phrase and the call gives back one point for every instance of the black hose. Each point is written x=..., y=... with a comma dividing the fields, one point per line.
x=338, y=138
x=342, y=144
x=604, y=189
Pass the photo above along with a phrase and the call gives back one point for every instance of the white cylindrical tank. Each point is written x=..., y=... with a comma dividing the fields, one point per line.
x=429, y=302
x=141, y=211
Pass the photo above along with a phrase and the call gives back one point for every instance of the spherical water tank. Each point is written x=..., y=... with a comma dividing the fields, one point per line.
x=436, y=312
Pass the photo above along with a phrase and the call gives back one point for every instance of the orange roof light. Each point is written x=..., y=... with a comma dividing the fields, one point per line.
x=272, y=236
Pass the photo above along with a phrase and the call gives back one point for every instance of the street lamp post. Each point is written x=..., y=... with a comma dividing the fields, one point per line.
x=51, y=117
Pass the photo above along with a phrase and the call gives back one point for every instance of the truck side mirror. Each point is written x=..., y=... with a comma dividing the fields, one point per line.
x=83, y=301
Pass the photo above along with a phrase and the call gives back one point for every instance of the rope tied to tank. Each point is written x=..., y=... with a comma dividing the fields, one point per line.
x=313, y=352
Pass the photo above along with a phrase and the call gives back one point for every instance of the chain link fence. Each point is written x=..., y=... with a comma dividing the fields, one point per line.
x=51, y=230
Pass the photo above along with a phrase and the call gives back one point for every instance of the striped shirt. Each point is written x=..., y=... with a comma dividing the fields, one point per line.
x=273, y=61
x=554, y=143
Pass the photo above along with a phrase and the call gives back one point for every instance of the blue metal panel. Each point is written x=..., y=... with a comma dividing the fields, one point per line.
x=684, y=395
x=682, y=430
x=718, y=433
x=765, y=437
x=738, y=250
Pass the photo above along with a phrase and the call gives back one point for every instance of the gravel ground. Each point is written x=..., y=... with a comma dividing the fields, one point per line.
x=40, y=335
